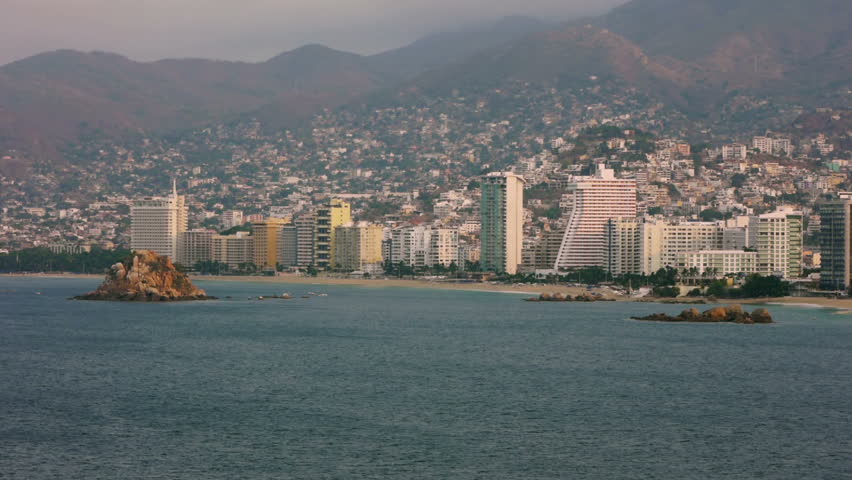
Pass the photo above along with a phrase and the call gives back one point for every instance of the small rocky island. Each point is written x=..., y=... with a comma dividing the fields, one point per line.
x=145, y=276
x=558, y=297
x=732, y=314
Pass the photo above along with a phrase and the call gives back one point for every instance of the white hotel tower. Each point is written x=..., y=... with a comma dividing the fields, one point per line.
x=594, y=201
x=157, y=222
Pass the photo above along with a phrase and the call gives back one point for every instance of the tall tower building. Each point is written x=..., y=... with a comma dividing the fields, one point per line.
x=157, y=222
x=593, y=202
x=195, y=246
x=502, y=215
x=836, y=243
x=266, y=242
x=288, y=246
x=306, y=225
x=358, y=247
x=777, y=236
x=334, y=214
x=233, y=250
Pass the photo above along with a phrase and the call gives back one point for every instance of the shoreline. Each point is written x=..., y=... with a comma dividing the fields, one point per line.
x=841, y=305
x=405, y=283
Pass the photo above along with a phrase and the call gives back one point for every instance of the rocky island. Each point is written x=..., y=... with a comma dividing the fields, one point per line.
x=559, y=297
x=732, y=314
x=145, y=276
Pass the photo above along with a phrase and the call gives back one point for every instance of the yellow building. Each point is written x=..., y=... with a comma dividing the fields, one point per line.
x=334, y=214
x=266, y=239
x=358, y=247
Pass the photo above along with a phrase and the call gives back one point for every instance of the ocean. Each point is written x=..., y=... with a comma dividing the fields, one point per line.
x=370, y=383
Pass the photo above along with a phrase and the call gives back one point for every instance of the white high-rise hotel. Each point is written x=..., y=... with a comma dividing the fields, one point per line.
x=157, y=222
x=593, y=202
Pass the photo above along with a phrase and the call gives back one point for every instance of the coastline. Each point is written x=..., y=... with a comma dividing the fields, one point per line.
x=406, y=283
x=841, y=305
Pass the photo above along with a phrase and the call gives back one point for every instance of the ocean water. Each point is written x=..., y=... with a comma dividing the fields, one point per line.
x=412, y=384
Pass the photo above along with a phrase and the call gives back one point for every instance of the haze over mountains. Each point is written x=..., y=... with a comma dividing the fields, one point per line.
x=693, y=54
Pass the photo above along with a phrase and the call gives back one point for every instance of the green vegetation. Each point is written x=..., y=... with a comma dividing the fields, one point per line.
x=43, y=260
x=666, y=292
x=711, y=215
x=755, y=286
x=246, y=227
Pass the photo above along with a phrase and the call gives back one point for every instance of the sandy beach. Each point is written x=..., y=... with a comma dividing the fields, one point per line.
x=842, y=305
x=409, y=283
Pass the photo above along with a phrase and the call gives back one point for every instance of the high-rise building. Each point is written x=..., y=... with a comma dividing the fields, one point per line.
x=624, y=241
x=408, y=245
x=502, y=215
x=233, y=250
x=266, y=242
x=835, y=238
x=734, y=151
x=646, y=246
x=157, y=222
x=443, y=247
x=288, y=247
x=762, y=144
x=423, y=246
x=305, y=231
x=232, y=218
x=195, y=246
x=680, y=237
x=719, y=262
x=547, y=249
x=358, y=247
x=593, y=201
x=334, y=214
x=778, y=238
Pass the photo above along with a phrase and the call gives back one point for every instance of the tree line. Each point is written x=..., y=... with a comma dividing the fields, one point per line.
x=39, y=259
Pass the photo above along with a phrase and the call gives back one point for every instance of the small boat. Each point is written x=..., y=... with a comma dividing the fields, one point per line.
x=306, y=296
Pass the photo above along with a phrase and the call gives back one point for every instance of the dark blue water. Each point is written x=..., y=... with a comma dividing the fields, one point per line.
x=393, y=383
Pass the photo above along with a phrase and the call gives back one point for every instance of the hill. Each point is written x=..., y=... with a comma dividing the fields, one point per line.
x=50, y=99
x=781, y=45
x=57, y=96
x=445, y=48
x=730, y=62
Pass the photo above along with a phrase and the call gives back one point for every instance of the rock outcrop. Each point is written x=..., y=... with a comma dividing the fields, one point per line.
x=145, y=276
x=558, y=297
x=732, y=314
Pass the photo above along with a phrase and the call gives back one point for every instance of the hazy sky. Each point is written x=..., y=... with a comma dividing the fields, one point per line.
x=248, y=29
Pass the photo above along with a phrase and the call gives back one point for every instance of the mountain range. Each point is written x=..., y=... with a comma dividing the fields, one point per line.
x=693, y=54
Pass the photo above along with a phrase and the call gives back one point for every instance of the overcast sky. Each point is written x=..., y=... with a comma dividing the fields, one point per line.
x=248, y=29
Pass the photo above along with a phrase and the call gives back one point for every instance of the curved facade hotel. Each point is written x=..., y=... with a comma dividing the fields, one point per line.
x=595, y=200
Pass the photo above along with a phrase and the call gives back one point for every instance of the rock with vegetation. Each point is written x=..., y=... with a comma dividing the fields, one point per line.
x=731, y=314
x=559, y=297
x=145, y=276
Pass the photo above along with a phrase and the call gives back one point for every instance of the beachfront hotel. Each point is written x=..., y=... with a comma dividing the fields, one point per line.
x=502, y=215
x=358, y=247
x=593, y=202
x=157, y=222
x=836, y=243
x=334, y=214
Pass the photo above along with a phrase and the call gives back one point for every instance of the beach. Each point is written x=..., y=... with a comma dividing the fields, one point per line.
x=410, y=283
x=843, y=305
